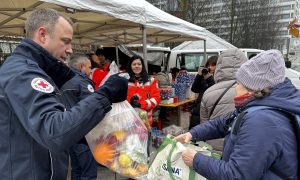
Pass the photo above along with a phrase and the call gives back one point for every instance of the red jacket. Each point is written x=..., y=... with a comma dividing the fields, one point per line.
x=105, y=67
x=97, y=76
x=148, y=93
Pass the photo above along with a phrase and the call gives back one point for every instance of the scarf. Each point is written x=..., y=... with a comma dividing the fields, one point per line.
x=240, y=101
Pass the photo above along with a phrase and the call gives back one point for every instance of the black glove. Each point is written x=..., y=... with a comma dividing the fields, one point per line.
x=134, y=101
x=115, y=88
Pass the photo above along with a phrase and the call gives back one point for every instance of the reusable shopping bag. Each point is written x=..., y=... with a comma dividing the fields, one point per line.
x=119, y=141
x=168, y=163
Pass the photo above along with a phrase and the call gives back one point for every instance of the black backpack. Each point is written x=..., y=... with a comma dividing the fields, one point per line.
x=294, y=119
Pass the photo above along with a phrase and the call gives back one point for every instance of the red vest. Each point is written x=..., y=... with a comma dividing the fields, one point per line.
x=97, y=76
x=148, y=93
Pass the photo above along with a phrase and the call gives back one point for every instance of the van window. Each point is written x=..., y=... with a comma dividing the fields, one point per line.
x=192, y=61
x=251, y=54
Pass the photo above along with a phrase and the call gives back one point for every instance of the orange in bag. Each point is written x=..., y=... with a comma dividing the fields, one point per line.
x=104, y=153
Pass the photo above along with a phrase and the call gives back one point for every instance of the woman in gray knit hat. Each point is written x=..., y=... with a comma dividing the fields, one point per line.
x=260, y=142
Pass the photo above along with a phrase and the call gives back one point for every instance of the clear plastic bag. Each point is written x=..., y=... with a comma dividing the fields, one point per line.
x=119, y=141
x=144, y=117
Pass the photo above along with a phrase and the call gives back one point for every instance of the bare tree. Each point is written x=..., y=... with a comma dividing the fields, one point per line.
x=244, y=23
x=252, y=23
x=194, y=11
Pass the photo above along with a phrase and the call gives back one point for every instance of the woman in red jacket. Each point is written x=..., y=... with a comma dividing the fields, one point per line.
x=97, y=74
x=143, y=91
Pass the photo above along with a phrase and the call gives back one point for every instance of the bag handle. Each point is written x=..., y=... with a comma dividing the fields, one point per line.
x=214, y=106
x=192, y=173
x=169, y=166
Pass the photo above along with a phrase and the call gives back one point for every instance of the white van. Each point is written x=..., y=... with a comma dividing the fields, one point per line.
x=251, y=52
x=192, y=59
x=157, y=56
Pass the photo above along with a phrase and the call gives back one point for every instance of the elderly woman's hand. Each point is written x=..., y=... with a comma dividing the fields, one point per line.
x=188, y=156
x=184, y=138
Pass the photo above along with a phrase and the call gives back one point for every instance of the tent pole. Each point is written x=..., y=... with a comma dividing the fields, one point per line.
x=145, y=46
x=117, y=55
x=205, y=56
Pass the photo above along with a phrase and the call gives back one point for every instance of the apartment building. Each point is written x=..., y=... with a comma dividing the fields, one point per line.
x=289, y=10
x=286, y=10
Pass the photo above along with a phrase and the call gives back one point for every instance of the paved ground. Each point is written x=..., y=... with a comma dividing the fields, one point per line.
x=105, y=174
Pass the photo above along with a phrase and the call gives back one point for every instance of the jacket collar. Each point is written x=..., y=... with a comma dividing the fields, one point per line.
x=58, y=71
x=83, y=75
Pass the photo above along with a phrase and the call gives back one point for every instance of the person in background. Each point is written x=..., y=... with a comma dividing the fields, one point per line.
x=228, y=63
x=104, y=62
x=36, y=130
x=1, y=54
x=97, y=73
x=174, y=72
x=260, y=144
x=83, y=165
x=95, y=61
x=143, y=91
x=288, y=64
x=204, y=79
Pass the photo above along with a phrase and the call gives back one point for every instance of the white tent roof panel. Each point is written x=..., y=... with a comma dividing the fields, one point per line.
x=107, y=22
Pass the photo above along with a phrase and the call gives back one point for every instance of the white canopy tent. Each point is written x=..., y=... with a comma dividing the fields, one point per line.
x=107, y=22
x=194, y=45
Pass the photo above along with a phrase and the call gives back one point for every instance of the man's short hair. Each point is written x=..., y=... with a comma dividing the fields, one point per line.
x=78, y=59
x=43, y=17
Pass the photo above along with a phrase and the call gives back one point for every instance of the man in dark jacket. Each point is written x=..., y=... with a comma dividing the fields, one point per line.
x=260, y=144
x=36, y=130
x=84, y=167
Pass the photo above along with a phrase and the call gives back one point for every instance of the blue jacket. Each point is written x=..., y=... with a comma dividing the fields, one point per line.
x=77, y=88
x=35, y=127
x=265, y=138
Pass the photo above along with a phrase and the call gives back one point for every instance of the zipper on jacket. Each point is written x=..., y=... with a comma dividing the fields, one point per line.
x=51, y=162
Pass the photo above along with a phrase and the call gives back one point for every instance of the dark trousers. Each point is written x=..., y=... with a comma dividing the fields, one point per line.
x=84, y=167
x=195, y=118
